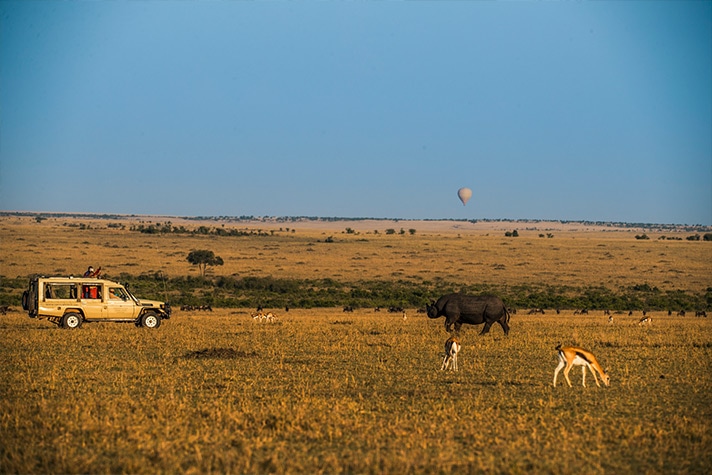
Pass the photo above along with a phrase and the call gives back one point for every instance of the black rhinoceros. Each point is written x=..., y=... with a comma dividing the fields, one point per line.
x=459, y=308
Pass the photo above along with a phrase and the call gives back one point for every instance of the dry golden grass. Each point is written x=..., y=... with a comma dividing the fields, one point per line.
x=457, y=254
x=327, y=392
x=323, y=391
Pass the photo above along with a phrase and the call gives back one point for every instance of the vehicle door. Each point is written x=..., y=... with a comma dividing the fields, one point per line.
x=91, y=300
x=118, y=305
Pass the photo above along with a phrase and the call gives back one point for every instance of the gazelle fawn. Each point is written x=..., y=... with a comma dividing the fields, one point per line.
x=452, y=348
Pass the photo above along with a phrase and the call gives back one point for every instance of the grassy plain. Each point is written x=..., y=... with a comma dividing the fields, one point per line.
x=323, y=391
x=327, y=392
x=453, y=252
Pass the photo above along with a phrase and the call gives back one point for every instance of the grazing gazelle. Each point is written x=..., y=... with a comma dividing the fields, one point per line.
x=452, y=347
x=570, y=356
x=262, y=317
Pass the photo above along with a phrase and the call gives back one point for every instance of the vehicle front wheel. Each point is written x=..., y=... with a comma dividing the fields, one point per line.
x=72, y=320
x=151, y=320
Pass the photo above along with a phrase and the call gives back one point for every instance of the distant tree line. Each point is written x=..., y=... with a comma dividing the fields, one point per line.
x=657, y=227
x=273, y=292
x=169, y=228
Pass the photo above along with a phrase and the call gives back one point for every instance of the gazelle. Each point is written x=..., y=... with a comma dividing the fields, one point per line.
x=452, y=348
x=262, y=317
x=570, y=356
x=645, y=320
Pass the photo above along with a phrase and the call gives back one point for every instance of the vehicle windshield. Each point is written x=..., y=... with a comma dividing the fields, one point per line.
x=133, y=297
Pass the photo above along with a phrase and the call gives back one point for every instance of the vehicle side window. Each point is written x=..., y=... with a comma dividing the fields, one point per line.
x=60, y=291
x=117, y=293
x=91, y=291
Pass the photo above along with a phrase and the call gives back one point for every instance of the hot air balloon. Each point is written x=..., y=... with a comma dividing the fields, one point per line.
x=464, y=194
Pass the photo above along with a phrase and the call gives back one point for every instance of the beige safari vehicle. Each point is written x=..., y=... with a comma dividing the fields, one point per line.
x=68, y=302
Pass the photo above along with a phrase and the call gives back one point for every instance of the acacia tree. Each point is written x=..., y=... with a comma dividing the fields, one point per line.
x=204, y=258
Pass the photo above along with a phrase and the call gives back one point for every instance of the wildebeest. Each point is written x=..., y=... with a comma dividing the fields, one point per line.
x=458, y=309
x=196, y=307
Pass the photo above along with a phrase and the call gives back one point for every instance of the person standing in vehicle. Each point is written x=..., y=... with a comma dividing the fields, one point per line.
x=92, y=273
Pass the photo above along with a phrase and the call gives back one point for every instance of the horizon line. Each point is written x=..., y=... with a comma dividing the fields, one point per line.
x=344, y=218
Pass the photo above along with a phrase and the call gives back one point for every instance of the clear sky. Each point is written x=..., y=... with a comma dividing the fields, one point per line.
x=595, y=111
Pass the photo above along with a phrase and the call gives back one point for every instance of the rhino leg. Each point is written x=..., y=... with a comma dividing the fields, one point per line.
x=486, y=329
x=505, y=326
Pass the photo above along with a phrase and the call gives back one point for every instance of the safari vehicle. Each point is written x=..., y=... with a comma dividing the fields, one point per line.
x=68, y=302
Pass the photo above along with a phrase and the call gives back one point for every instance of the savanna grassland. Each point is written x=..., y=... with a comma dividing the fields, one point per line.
x=323, y=391
x=460, y=253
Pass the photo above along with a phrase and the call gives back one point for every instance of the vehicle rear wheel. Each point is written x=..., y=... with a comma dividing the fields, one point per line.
x=151, y=320
x=72, y=320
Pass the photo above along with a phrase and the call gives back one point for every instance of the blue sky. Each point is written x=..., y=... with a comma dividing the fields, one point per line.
x=562, y=110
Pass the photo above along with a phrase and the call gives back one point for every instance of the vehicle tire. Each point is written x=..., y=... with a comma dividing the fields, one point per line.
x=71, y=320
x=150, y=320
